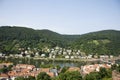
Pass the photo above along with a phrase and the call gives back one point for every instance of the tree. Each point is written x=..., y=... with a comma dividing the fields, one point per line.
x=43, y=76
x=118, y=68
x=22, y=78
x=4, y=70
x=58, y=67
x=105, y=73
x=73, y=75
x=30, y=78
x=93, y=76
x=113, y=67
x=64, y=69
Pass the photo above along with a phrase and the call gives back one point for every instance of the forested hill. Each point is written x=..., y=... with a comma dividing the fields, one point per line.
x=34, y=38
x=30, y=37
x=101, y=42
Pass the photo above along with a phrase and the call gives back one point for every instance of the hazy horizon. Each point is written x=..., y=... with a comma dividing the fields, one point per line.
x=62, y=16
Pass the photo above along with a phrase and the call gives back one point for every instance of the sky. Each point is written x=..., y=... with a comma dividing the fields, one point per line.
x=62, y=16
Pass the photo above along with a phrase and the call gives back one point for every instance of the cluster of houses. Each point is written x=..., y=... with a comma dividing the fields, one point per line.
x=56, y=52
x=96, y=67
x=25, y=70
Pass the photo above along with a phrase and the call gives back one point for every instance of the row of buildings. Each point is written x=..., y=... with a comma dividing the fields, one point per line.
x=56, y=52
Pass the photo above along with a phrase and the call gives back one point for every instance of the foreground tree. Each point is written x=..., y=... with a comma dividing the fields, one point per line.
x=105, y=73
x=43, y=76
x=22, y=78
x=73, y=75
x=92, y=76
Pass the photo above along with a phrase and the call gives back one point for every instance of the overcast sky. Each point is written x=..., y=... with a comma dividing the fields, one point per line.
x=62, y=16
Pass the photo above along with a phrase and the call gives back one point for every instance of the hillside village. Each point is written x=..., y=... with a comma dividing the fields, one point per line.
x=56, y=52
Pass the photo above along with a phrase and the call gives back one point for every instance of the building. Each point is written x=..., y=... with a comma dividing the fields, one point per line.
x=91, y=68
x=115, y=75
x=74, y=69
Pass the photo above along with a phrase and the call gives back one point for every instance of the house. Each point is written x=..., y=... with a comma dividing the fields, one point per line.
x=24, y=66
x=104, y=56
x=51, y=74
x=67, y=57
x=74, y=69
x=72, y=57
x=54, y=71
x=4, y=76
x=44, y=69
x=111, y=56
x=5, y=64
x=64, y=53
x=53, y=56
x=91, y=68
x=1, y=54
x=89, y=56
x=115, y=75
x=50, y=55
x=42, y=55
x=28, y=56
x=69, y=51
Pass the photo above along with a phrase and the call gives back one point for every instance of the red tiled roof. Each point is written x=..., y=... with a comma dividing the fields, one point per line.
x=51, y=74
x=74, y=69
x=45, y=69
x=4, y=75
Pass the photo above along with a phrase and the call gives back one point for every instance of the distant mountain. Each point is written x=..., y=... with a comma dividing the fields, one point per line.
x=101, y=42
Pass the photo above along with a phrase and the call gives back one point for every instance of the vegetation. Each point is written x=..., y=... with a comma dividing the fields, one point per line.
x=96, y=43
x=92, y=76
x=116, y=67
x=5, y=69
x=43, y=76
x=64, y=69
x=22, y=78
x=102, y=42
x=103, y=74
x=46, y=66
x=73, y=75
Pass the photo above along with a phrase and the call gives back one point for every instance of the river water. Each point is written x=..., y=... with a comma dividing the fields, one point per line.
x=38, y=62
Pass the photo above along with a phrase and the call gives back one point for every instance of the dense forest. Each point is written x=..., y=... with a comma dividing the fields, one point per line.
x=101, y=42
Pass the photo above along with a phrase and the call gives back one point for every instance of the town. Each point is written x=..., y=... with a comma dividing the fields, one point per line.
x=26, y=70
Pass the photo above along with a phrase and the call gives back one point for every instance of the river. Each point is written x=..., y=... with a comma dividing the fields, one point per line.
x=38, y=62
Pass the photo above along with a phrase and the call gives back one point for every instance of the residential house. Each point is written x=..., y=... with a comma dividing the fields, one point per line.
x=74, y=69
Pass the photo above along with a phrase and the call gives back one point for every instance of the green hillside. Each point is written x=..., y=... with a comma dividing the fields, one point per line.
x=15, y=37
x=101, y=42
